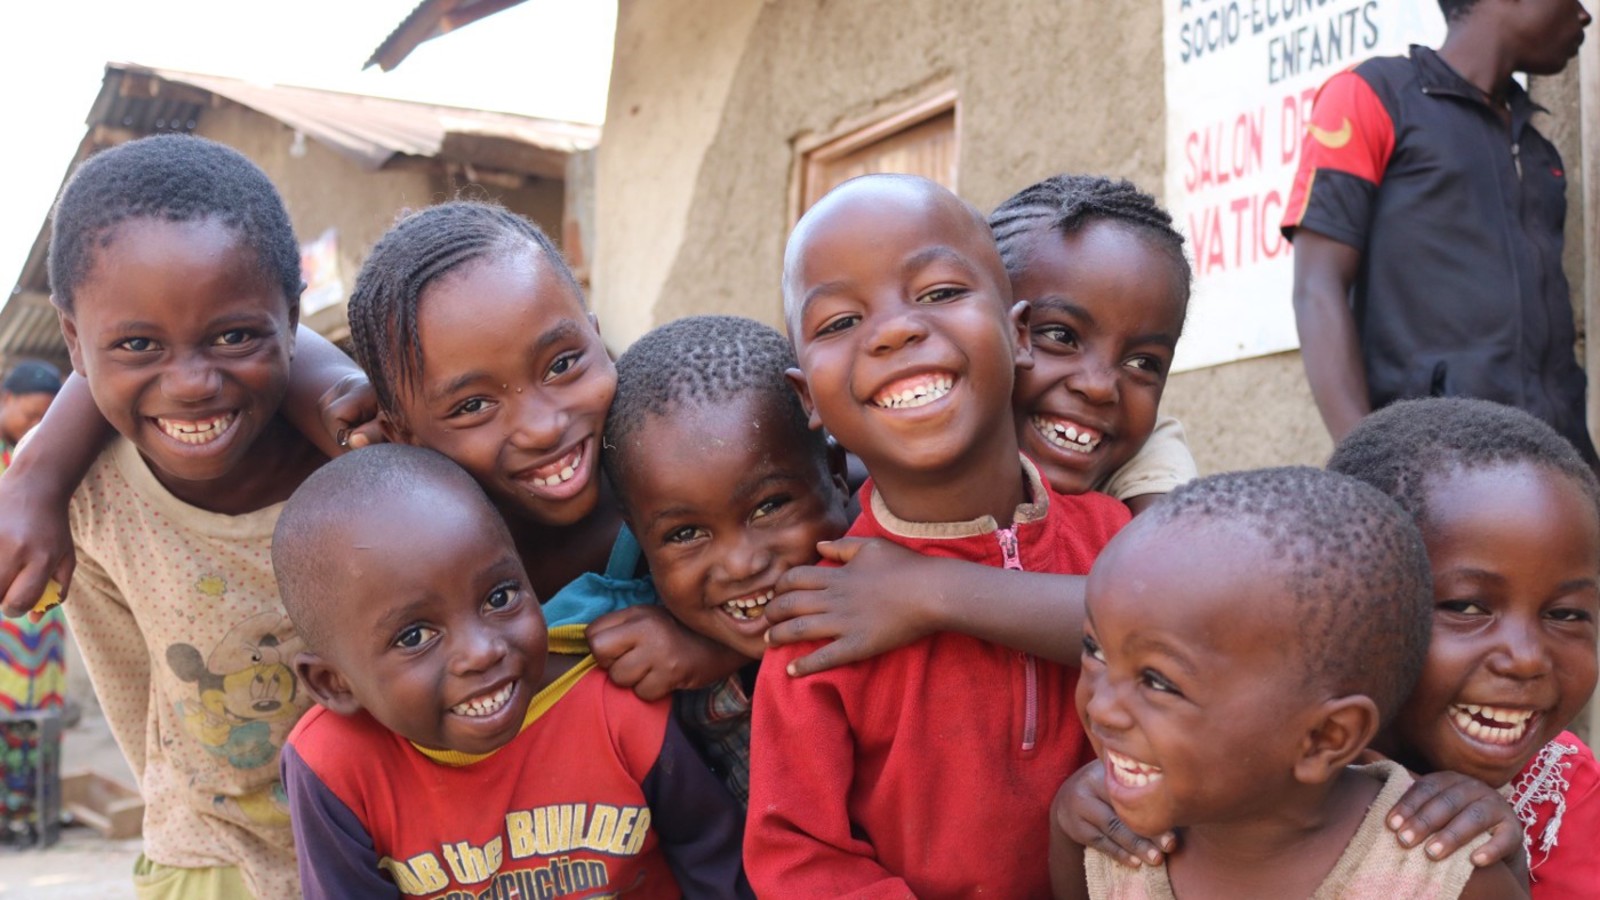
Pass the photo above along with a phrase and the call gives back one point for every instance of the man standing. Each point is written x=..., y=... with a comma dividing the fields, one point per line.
x=1427, y=225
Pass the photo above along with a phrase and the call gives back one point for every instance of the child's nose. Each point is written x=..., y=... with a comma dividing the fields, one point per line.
x=1104, y=711
x=744, y=559
x=1094, y=380
x=897, y=329
x=191, y=379
x=537, y=424
x=477, y=650
x=1522, y=652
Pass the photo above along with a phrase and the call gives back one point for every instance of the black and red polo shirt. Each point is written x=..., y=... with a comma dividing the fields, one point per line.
x=1460, y=290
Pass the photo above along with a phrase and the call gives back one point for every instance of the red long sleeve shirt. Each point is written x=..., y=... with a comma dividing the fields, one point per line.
x=927, y=771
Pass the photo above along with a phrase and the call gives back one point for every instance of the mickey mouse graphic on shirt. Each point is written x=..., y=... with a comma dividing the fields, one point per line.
x=246, y=690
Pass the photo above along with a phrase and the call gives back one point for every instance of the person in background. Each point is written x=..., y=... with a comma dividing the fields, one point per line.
x=1427, y=222
x=24, y=396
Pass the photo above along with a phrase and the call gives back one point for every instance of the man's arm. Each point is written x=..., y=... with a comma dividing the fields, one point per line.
x=1324, y=270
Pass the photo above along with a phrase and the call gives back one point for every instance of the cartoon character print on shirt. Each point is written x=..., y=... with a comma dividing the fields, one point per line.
x=245, y=691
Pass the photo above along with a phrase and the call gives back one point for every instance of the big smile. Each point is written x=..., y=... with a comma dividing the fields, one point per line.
x=1492, y=724
x=1130, y=772
x=197, y=431
x=1072, y=437
x=915, y=391
x=559, y=472
x=485, y=705
x=750, y=607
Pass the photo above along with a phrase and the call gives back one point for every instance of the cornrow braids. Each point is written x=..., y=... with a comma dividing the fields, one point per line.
x=169, y=178
x=423, y=246
x=1400, y=447
x=1067, y=203
x=696, y=362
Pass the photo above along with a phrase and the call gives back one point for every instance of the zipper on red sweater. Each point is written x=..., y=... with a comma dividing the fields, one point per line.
x=1011, y=559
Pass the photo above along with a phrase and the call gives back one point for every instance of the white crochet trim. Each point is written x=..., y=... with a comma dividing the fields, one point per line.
x=1543, y=782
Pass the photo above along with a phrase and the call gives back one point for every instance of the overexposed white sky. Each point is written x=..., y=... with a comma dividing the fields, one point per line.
x=549, y=58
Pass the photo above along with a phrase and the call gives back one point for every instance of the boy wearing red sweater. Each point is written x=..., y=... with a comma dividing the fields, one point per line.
x=927, y=771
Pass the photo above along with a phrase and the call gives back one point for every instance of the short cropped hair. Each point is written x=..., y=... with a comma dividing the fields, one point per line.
x=1066, y=204
x=1398, y=448
x=371, y=482
x=696, y=362
x=422, y=247
x=169, y=178
x=1455, y=8
x=1354, y=564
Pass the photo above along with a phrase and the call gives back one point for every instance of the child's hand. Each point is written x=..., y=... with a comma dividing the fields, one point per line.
x=867, y=607
x=1082, y=812
x=1448, y=810
x=646, y=649
x=35, y=546
x=350, y=412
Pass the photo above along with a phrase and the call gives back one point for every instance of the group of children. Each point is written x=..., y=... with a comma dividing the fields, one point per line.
x=589, y=628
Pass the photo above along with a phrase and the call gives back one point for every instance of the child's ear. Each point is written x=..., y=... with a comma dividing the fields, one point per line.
x=839, y=468
x=1339, y=730
x=797, y=380
x=394, y=430
x=69, y=332
x=325, y=684
x=1021, y=314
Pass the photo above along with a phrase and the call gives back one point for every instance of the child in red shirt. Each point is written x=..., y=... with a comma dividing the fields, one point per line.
x=908, y=343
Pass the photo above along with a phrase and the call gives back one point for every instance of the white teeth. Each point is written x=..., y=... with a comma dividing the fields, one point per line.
x=750, y=607
x=919, y=395
x=1491, y=724
x=1067, y=437
x=478, y=707
x=569, y=466
x=1130, y=772
x=203, y=431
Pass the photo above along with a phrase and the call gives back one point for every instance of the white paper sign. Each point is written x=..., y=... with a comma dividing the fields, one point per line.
x=1241, y=75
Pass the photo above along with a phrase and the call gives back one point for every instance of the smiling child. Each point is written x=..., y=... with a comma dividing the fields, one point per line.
x=1510, y=514
x=908, y=344
x=727, y=489
x=1196, y=612
x=446, y=756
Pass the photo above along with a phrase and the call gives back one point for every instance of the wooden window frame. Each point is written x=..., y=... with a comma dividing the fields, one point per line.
x=814, y=151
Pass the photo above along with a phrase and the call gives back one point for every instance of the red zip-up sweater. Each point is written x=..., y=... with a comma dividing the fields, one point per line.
x=927, y=771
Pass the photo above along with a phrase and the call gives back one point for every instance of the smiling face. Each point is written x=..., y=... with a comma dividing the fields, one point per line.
x=1545, y=34
x=900, y=314
x=1182, y=689
x=724, y=500
x=185, y=346
x=514, y=385
x=1106, y=317
x=1515, y=552
x=438, y=634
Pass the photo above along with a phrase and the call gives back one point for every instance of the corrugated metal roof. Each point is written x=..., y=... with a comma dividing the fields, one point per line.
x=370, y=131
x=429, y=20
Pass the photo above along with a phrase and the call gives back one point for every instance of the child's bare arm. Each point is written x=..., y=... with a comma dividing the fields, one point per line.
x=35, y=539
x=1495, y=882
x=646, y=649
x=885, y=596
x=1067, y=880
x=1448, y=810
x=330, y=399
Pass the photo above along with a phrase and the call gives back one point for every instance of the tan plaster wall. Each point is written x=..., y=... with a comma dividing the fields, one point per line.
x=708, y=98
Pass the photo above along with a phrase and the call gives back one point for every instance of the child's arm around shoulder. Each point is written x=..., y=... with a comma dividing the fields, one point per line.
x=1494, y=882
x=336, y=854
x=699, y=824
x=1160, y=467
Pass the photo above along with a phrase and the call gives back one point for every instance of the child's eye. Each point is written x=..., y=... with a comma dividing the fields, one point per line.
x=1056, y=334
x=232, y=337
x=1145, y=363
x=562, y=365
x=136, y=345
x=684, y=535
x=1570, y=614
x=941, y=295
x=1463, y=607
x=470, y=406
x=414, y=636
x=1158, y=682
x=1091, y=649
x=501, y=597
x=769, y=506
x=838, y=324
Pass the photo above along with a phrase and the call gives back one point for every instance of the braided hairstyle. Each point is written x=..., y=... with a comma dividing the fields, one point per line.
x=1067, y=203
x=423, y=246
x=169, y=178
x=701, y=361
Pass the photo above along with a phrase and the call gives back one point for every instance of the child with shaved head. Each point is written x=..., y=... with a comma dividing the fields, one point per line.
x=445, y=755
x=1246, y=639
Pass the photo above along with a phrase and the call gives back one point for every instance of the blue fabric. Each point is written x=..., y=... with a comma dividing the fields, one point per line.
x=592, y=594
